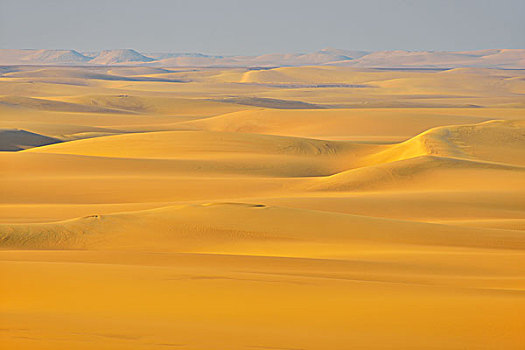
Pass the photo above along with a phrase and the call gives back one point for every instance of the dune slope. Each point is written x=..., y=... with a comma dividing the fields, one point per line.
x=243, y=228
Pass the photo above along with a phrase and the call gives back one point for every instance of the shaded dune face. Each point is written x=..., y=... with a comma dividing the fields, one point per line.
x=16, y=140
x=283, y=208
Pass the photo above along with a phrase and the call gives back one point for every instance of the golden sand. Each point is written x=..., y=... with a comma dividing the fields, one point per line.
x=289, y=208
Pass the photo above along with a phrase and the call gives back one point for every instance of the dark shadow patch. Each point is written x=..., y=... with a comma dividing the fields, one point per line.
x=272, y=103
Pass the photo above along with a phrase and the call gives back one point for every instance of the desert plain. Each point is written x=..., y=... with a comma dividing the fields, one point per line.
x=313, y=207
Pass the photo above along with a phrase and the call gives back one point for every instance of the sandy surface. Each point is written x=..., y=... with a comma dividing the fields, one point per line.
x=289, y=208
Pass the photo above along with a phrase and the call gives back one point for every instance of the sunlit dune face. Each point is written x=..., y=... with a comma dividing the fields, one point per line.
x=287, y=208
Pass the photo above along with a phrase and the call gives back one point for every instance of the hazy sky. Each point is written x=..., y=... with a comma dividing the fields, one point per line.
x=255, y=27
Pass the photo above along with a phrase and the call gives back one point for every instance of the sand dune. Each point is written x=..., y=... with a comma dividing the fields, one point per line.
x=60, y=131
x=356, y=124
x=216, y=228
x=79, y=76
x=186, y=144
x=140, y=104
x=423, y=206
x=242, y=164
x=495, y=141
x=421, y=172
x=313, y=207
x=49, y=105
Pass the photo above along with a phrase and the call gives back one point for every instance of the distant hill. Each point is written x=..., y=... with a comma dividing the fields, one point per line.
x=56, y=56
x=8, y=56
x=493, y=58
x=442, y=59
x=109, y=57
x=164, y=55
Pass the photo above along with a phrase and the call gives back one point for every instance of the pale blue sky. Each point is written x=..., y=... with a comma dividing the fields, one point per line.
x=255, y=27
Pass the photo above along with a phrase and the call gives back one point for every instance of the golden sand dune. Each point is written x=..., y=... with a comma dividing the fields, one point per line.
x=284, y=208
x=269, y=231
x=421, y=172
x=221, y=152
x=462, y=206
x=423, y=206
x=61, y=72
x=351, y=124
x=231, y=165
x=43, y=104
x=154, y=105
x=470, y=156
x=131, y=71
x=187, y=144
x=60, y=131
x=320, y=75
x=495, y=141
